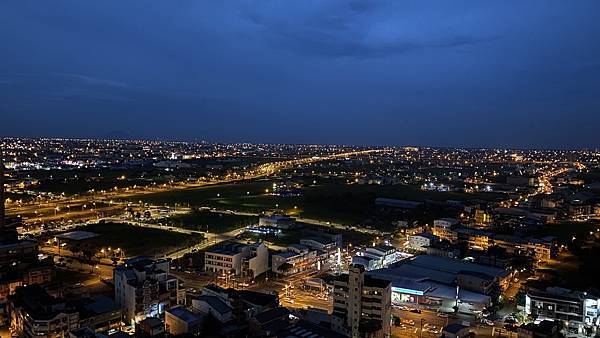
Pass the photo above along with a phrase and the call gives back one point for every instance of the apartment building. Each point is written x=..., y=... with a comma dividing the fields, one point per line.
x=35, y=313
x=575, y=309
x=244, y=260
x=361, y=304
x=144, y=288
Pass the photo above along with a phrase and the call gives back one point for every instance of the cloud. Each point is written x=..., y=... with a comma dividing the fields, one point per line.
x=355, y=29
x=92, y=81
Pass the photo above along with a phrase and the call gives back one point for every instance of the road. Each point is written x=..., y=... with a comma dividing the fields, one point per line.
x=94, y=204
x=430, y=323
x=212, y=239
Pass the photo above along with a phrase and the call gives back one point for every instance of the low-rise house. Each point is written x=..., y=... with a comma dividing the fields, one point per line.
x=150, y=327
x=213, y=306
x=180, y=321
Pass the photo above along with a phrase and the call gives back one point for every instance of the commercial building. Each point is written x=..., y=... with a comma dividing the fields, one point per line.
x=297, y=259
x=144, y=288
x=378, y=257
x=240, y=259
x=277, y=221
x=327, y=237
x=444, y=283
x=575, y=309
x=361, y=304
x=421, y=241
x=320, y=243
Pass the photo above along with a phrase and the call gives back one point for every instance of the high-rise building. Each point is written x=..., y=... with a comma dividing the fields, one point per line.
x=361, y=304
x=144, y=288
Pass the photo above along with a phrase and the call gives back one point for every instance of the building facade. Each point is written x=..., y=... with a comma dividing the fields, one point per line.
x=239, y=259
x=361, y=304
x=144, y=288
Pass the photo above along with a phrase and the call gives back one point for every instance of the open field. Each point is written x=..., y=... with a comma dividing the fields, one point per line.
x=216, y=222
x=577, y=267
x=135, y=240
x=564, y=231
x=328, y=201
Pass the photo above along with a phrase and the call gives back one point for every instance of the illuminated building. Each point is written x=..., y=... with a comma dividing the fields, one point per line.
x=575, y=309
x=144, y=288
x=361, y=304
x=237, y=259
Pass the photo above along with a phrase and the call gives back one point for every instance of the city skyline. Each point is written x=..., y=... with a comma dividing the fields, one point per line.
x=335, y=72
x=294, y=169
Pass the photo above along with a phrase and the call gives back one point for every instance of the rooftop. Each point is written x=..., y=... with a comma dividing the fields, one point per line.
x=184, y=314
x=215, y=303
x=229, y=249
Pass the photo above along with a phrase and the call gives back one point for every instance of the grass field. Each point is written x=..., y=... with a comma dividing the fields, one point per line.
x=327, y=201
x=134, y=240
x=217, y=222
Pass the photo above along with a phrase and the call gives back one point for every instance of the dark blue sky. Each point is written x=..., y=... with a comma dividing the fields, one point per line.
x=443, y=73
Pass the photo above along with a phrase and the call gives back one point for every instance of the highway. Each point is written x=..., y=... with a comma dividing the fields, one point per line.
x=97, y=204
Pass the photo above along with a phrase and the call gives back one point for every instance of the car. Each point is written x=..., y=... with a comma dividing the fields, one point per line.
x=487, y=322
x=415, y=311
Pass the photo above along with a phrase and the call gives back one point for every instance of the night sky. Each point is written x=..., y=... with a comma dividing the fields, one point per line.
x=521, y=74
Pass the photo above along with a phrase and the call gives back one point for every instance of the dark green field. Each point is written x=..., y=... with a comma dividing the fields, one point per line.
x=216, y=221
x=134, y=240
x=327, y=201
